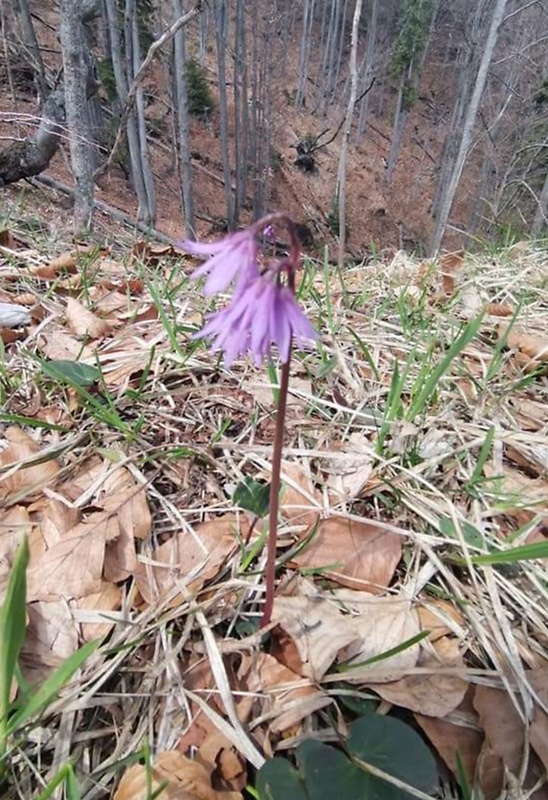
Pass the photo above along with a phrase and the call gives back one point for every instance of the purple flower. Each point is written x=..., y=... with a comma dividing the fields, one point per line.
x=262, y=313
x=269, y=233
x=234, y=258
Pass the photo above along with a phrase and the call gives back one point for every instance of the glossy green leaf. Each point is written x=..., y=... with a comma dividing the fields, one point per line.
x=72, y=372
x=278, y=780
x=253, y=496
x=392, y=746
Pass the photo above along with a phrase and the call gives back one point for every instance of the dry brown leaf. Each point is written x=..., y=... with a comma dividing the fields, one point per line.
x=381, y=624
x=532, y=415
x=282, y=689
x=51, y=638
x=450, y=264
x=98, y=605
x=16, y=479
x=82, y=322
x=73, y=566
x=152, y=254
x=15, y=523
x=188, y=560
x=456, y=736
x=352, y=470
x=534, y=349
x=523, y=496
x=66, y=262
x=538, y=679
x=504, y=735
x=357, y=554
x=300, y=501
x=317, y=627
x=186, y=780
x=498, y=309
x=436, y=616
x=128, y=506
x=435, y=694
x=61, y=346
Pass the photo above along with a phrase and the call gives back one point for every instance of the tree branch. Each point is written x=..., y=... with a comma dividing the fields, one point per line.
x=166, y=36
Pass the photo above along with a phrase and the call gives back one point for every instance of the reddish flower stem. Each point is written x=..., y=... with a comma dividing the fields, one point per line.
x=275, y=484
x=274, y=502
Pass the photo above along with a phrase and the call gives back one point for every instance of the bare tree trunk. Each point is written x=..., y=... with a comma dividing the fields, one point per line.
x=304, y=52
x=221, y=24
x=133, y=62
x=540, y=219
x=465, y=68
x=340, y=51
x=31, y=42
x=369, y=61
x=448, y=196
x=341, y=178
x=241, y=110
x=75, y=71
x=121, y=78
x=181, y=104
x=329, y=56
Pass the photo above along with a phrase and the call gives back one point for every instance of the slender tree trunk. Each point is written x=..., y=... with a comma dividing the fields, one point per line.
x=75, y=76
x=341, y=178
x=133, y=54
x=183, y=124
x=540, y=220
x=121, y=79
x=305, y=52
x=468, y=128
x=464, y=67
x=369, y=61
x=31, y=42
x=340, y=50
x=241, y=110
x=221, y=24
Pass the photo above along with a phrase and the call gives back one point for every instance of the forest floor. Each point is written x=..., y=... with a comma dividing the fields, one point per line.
x=412, y=546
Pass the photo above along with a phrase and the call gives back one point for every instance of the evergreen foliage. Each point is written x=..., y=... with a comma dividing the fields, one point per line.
x=413, y=35
x=200, y=99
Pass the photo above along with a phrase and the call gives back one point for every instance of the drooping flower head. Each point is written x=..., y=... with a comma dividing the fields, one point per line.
x=234, y=258
x=263, y=310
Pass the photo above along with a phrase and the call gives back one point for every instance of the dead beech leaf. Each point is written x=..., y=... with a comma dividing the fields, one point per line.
x=300, y=501
x=504, y=737
x=439, y=617
x=352, y=470
x=127, y=504
x=498, y=309
x=95, y=607
x=533, y=349
x=186, y=780
x=65, y=262
x=450, y=264
x=50, y=639
x=83, y=322
x=15, y=523
x=61, y=346
x=18, y=476
x=538, y=679
x=317, y=627
x=288, y=699
x=381, y=624
x=357, y=554
x=189, y=560
x=73, y=566
x=457, y=736
x=435, y=694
